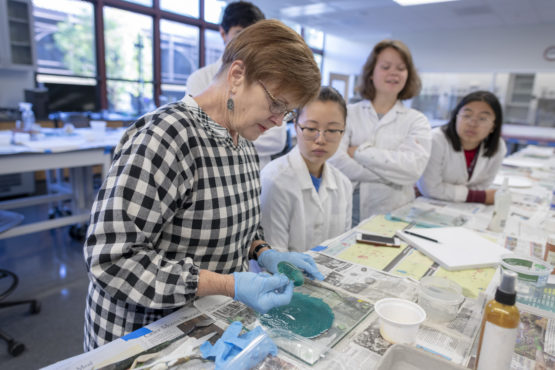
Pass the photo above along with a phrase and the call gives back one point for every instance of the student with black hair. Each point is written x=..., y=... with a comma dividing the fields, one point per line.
x=466, y=152
x=305, y=200
x=236, y=17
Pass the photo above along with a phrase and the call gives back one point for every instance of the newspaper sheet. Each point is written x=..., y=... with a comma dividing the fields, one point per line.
x=535, y=343
x=155, y=337
x=452, y=341
x=405, y=262
x=433, y=213
x=364, y=282
x=542, y=302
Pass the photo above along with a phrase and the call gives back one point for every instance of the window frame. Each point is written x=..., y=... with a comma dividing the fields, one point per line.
x=157, y=14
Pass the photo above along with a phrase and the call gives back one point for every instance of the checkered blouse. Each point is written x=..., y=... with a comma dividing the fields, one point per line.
x=179, y=197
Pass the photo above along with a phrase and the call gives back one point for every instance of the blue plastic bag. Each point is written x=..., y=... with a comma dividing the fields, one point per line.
x=238, y=352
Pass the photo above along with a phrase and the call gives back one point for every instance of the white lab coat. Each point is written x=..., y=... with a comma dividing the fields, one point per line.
x=446, y=175
x=294, y=216
x=391, y=156
x=269, y=143
x=201, y=78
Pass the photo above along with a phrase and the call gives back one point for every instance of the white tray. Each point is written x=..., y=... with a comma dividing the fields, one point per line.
x=405, y=357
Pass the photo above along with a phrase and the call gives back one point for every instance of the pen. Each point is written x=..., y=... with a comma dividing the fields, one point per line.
x=420, y=236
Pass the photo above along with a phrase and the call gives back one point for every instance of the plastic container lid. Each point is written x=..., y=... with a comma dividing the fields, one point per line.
x=526, y=267
x=441, y=290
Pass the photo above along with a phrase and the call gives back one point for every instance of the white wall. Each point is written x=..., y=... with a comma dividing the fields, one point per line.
x=344, y=57
x=496, y=50
x=12, y=86
x=507, y=49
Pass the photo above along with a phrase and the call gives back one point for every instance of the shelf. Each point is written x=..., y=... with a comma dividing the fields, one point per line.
x=18, y=20
x=20, y=43
x=522, y=91
x=17, y=10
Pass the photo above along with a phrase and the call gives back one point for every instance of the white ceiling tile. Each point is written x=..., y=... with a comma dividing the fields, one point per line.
x=355, y=19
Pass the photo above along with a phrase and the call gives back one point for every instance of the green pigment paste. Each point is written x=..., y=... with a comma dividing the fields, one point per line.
x=292, y=272
x=304, y=315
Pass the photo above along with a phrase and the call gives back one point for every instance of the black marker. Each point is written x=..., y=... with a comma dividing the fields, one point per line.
x=421, y=236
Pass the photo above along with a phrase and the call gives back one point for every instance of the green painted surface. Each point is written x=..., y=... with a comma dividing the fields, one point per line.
x=304, y=315
x=292, y=272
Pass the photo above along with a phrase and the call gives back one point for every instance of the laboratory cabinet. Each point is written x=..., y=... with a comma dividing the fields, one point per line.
x=17, y=46
x=526, y=98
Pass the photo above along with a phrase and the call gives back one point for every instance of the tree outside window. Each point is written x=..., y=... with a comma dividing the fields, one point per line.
x=128, y=57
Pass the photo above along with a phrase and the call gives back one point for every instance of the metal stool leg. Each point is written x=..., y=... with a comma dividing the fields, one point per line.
x=15, y=348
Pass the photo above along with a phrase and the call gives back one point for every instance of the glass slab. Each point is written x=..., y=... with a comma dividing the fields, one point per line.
x=348, y=313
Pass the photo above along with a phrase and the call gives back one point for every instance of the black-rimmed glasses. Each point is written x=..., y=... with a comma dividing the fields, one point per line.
x=279, y=107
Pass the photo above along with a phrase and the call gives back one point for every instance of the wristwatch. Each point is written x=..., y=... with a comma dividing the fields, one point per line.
x=258, y=248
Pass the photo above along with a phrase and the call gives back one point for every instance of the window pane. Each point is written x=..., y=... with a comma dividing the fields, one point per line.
x=131, y=98
x=64, y=36
x=214, y=46
x=189, y=7
x=128, y=38
x=180, y=54
x=213, y=10
x=314, y=38
x=318, y=58
x=171, y=93
x=295, y=26
x=141, y=2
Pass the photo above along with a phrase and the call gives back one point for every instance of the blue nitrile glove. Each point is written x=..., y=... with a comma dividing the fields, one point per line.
x=262, y=292
x=270, y=258
x=226, y=352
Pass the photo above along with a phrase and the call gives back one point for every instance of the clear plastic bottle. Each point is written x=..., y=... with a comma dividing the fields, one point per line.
x=502, y=205
x=499, y=327
x=27, y=116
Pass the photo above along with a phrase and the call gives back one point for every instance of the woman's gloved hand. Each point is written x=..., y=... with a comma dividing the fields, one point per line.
x=270, y=258
x=262, y=292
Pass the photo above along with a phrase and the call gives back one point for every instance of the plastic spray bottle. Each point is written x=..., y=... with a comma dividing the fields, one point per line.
x=499, y=327
x=27, y=116
x=502, y=205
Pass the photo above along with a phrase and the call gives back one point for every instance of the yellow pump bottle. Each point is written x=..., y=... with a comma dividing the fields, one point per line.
x=499, y=327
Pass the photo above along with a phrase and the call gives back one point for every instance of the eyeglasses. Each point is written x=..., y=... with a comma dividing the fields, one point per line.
x=311, y=134
x=278, y=107
x=482, y=120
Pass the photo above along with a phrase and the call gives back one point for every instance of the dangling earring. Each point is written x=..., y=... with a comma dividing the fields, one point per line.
x=230, y=104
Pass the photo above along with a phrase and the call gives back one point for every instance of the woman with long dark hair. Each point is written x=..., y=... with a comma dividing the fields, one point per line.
x=466, y=152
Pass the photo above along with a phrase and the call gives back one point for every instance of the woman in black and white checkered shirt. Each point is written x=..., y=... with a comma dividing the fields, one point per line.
x=177, y=216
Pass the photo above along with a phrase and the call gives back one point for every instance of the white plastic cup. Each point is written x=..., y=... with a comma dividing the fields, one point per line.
x=399, y=319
